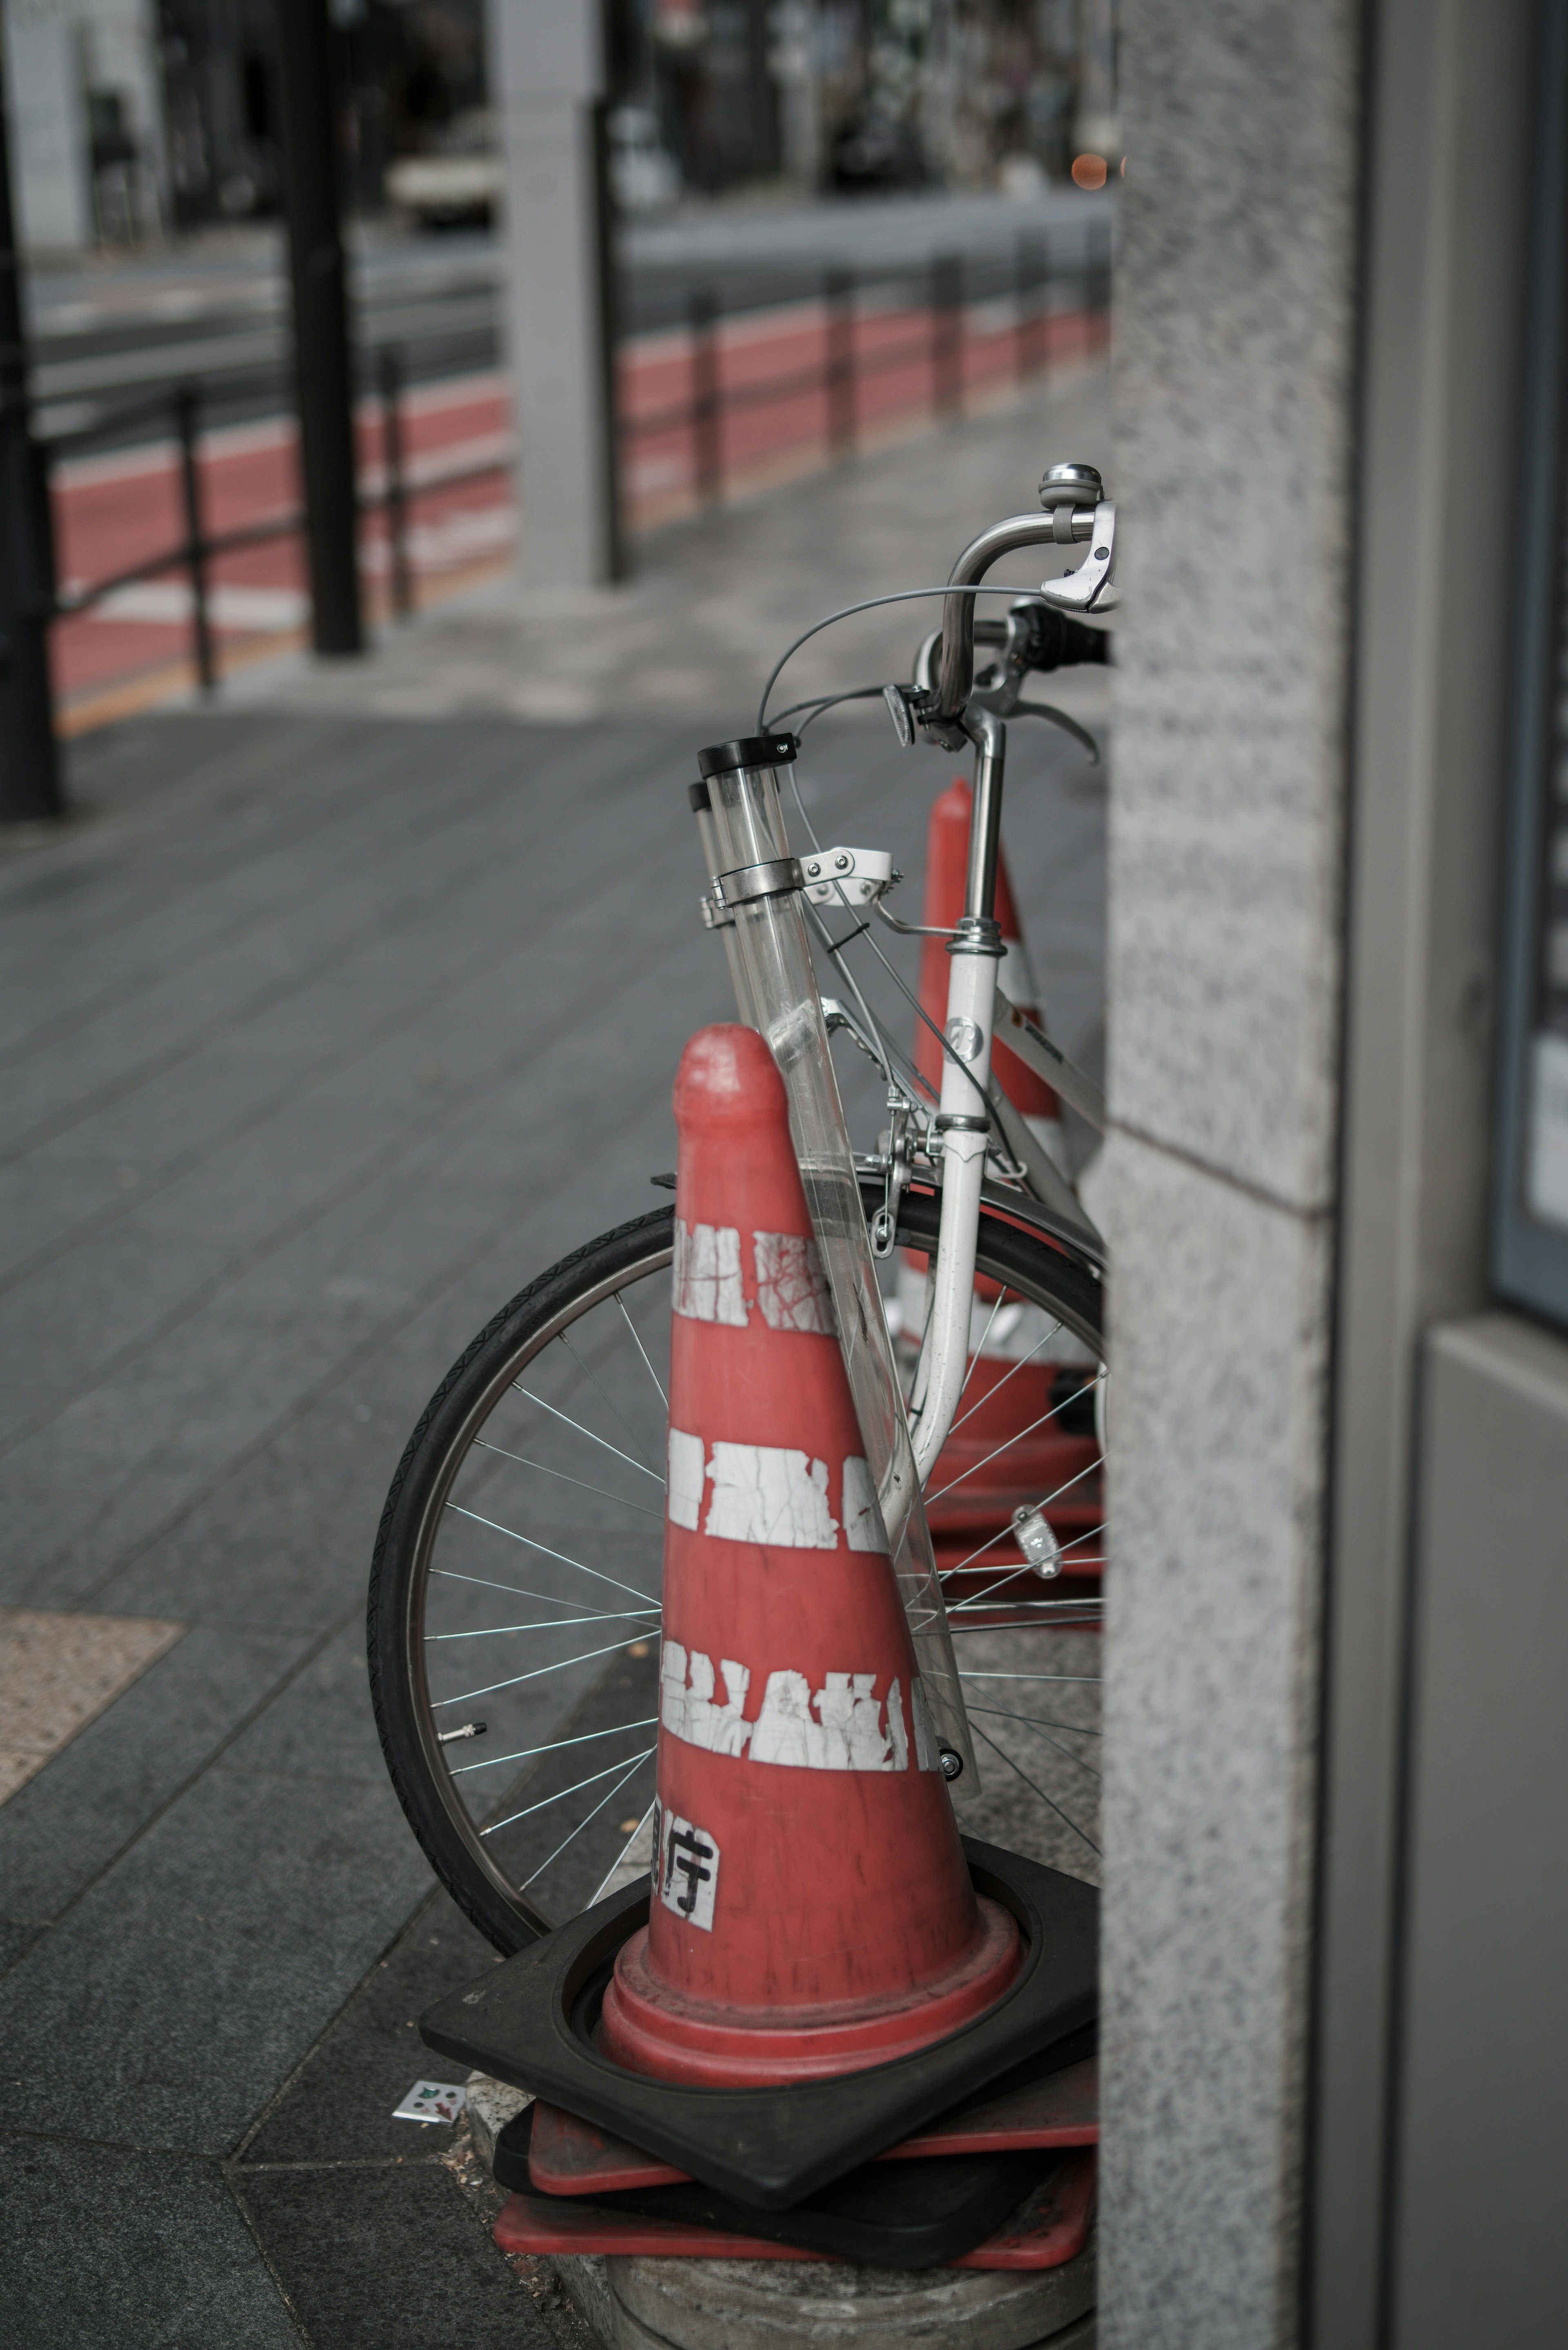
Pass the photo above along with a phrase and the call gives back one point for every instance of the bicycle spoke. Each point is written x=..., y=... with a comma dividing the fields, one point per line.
x=1055, y=1624
x=608, y=1400
x=516, y=1680
x=557, y=1745
x=1035, y=1721
x=1022, y=1364
x=996, y=1713
x=482, y=1444
x=550, y=1624
x=545, y=1801
x=975, y=1468
x=977, y=1352
x=519, y=1389
x=1086, y=1680
x=1002, y=1532
x=641, y=1349
x=577, y=1832
x=624, y=1850
x=520, y=1591
x=1033, y=1790
x=512, y=1536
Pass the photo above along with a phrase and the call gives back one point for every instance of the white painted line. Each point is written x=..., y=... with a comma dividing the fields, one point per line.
x=263, y=611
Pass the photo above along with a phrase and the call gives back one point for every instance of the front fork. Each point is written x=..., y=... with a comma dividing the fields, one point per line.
x=962, y=1122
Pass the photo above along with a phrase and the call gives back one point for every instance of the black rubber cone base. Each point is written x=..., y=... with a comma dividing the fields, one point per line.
x=906, y=2215
x=529, y=2022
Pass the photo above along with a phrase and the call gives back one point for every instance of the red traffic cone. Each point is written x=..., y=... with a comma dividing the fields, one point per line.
x=811, y=1910
x=947, y=871
x=1036, y=1437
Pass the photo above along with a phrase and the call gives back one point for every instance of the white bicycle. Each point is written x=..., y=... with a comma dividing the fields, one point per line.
x=515, y=1594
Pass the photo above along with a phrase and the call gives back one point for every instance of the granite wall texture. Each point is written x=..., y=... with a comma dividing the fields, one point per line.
x=1236, y=301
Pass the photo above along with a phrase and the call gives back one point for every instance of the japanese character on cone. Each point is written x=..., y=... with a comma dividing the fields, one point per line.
x=811, y=1910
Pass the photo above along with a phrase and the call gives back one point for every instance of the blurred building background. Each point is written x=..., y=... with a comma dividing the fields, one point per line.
x=135, y=118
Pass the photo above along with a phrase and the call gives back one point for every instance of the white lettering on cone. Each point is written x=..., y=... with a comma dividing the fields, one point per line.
x=690, y=1712
x=839, y=1727
x=685, y=1490
x=687, y=1868
x=791, y=1287
x=706, y=1283
x=767, y=1493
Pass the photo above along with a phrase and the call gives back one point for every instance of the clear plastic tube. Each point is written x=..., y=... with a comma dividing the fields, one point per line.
x=780, y=984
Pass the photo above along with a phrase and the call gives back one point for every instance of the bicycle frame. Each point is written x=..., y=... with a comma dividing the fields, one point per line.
x=757, y=904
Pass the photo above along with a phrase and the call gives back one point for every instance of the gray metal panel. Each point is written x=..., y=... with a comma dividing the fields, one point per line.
x=1482, y=2249
x=1443, y=300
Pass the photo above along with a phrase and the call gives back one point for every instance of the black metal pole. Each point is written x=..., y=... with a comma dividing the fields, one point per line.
x=395, y=497
x=29, y=767
x=323, y=371
x=185, y=422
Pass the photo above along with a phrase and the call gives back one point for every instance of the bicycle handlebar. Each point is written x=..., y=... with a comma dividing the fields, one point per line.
x=1070, y=496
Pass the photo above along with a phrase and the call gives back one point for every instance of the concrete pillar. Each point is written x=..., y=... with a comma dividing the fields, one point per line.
x=48, y=127
x=548, y=75
x=1236, y=394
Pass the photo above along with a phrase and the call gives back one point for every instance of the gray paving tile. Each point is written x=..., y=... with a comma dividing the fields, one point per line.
x=16, y=1935
x=67, y=1824
x=339, y=2107
x=388, y=2260
x=321, y=1726
x=179, y=1993
x=107, y=2244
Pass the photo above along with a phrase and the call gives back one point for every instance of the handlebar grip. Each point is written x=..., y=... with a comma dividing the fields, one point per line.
x=1058, y=642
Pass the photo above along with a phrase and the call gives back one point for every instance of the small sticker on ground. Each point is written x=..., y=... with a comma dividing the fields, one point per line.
x=706, y=1281
x=688, y=1869
x=432, y=2101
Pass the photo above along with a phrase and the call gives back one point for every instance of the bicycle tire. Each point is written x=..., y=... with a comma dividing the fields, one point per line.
x=451, y=1825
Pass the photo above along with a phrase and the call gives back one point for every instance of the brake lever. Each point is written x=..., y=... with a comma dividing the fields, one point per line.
x=1089, y=588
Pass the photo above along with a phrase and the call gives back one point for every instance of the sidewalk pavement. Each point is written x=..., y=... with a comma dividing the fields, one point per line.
x=339, y=1013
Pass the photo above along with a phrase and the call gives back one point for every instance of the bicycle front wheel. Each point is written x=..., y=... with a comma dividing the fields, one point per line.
x=514, y=1595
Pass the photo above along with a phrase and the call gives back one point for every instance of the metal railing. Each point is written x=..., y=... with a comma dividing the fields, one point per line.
x=1045, y=286
x=1052, y=292
x=189, y=407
